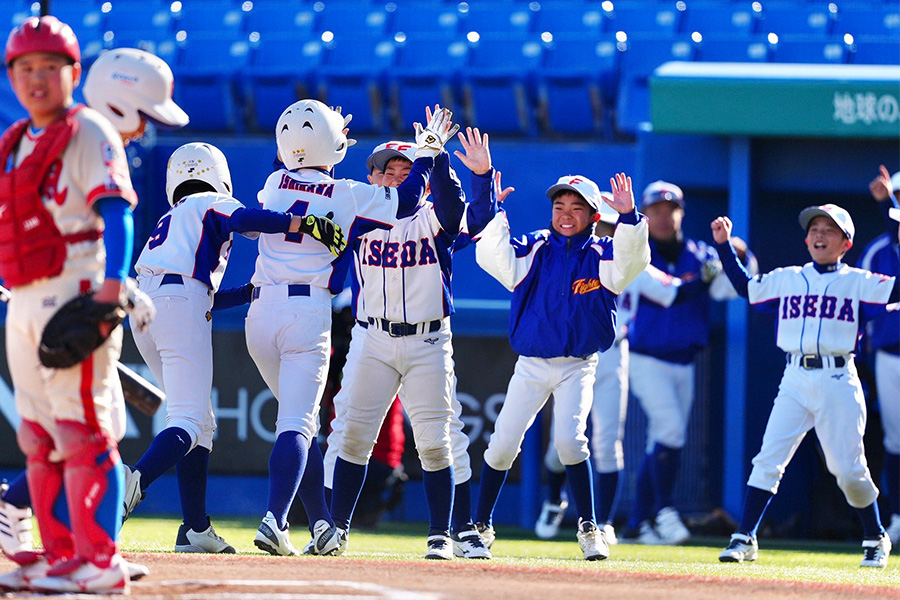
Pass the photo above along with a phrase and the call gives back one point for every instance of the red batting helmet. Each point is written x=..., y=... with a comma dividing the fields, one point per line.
x=44, y=34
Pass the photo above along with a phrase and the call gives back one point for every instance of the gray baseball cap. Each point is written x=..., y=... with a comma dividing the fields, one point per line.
x=834, y=212
x=660, y=191
x=383, y=153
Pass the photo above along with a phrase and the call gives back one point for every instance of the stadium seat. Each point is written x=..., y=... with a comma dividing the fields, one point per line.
x=727, y=49
x=210, y=17
x=497, y=18
x=859, y=21
x=427, y=71
x=424, y=19
x=802, y=49
x=796, y=20
x=356, y=18
x=279, y=75
x=498, y=83
x=352, y=75
x=875, y=50
x=718, y=18
x=640, y=17
x=641, y=56
x=286, y=18
x=577, y=86
x=575, y=21
x=205, y=72
x=134, y=22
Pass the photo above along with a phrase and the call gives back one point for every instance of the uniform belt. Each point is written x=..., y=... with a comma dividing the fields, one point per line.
x=362, y=324
x=404, y=329
x=815, y=361
x=172, y=279
x=294, y=289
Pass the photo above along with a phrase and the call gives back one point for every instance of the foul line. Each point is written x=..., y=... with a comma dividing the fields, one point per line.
x=371, y=590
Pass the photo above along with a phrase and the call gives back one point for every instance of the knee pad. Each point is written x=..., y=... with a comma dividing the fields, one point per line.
x=500, y=454
x=356, y=442
x=34, y=441
x=433, y=444
x=79, y=444
x=860, y=491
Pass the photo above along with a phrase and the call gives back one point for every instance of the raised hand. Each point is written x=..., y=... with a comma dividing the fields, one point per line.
x=502, y=192
x=440, y=128
x=721, y=229
x=477, y=155
x=622, y=194
x=881, y=186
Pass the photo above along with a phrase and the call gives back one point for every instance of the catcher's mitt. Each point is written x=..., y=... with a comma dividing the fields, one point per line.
x=74, y=332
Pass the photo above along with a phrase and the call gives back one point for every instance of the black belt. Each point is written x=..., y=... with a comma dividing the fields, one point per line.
x=814, y=361
x=172, y=279
x=404, y=329
x=294, y=289
x=362, y=324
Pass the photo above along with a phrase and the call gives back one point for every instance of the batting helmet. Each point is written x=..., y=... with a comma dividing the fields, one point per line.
x=383, y=153
x=42, y=34
x=660, y=191
x=197, y=161
x=125, y=84
x=309, y=134
x=582, y=186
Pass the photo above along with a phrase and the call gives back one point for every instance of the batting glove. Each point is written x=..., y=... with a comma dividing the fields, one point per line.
x=432, y=138
x=326, y=231
x=139, y=306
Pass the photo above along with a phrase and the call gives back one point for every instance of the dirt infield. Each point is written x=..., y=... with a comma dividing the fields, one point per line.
x=229, y=577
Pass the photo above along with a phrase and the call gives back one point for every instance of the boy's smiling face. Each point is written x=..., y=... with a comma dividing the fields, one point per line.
x=825, y=241
x=571, y=214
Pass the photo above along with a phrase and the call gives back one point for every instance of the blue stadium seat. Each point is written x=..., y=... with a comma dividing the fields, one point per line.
x=802, y=49
x=352, y=75
x=424, y=19
x=356, y=18
x=205, y=74
x=84, y=19
x=210, y=17
x=869, y=21
x=280, y=73
x=718, y=19
x=132, y=22
x=641, y=56
x=498, y=83
x=579, y=20
x=497, y=18
x=875, y=50
x=427, y=71
x=640, y=17
x=577, y=84
x=796, y=20
x=288, y=17
x=728, y=49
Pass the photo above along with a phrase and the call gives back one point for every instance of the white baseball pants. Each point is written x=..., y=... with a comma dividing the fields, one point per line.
x=887, y=382
x=666, y=393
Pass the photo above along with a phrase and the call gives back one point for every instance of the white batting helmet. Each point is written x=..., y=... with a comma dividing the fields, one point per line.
x=127, y=83
x=197, y=161
x=309, y=134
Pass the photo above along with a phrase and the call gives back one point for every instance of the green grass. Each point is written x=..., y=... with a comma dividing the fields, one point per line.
x=827, y=562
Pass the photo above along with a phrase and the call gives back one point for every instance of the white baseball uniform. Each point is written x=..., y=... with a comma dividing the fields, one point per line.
x=819, y=320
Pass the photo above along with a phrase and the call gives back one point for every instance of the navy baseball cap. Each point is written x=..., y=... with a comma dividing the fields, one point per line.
x=834, y=212
x=662, y=191
x=383, y=153
x=582, y=186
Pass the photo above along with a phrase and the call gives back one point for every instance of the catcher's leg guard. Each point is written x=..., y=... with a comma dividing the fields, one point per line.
x=45, y=484
x=94, y=489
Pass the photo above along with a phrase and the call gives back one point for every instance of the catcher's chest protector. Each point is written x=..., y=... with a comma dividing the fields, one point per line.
x=31, y=246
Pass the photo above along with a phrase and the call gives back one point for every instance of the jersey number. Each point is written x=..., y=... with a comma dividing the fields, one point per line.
x=161, y=232
x=298, y=209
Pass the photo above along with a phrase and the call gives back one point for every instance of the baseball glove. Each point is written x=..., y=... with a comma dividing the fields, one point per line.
x=74, y=332
x=326, y=231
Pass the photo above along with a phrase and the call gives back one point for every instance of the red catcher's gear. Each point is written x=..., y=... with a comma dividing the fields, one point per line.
x=31, y=246
x=44, y=34
x=392, y=438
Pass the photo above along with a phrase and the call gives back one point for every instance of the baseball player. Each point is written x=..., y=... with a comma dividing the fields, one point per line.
x=128, y=87
x=882, y=255
x=180, y=268
x=820, y=308
x=564, y=282
x=289, y=322
x=610, y=405
x=408, y=343
x=663, y=343
x=65, y=229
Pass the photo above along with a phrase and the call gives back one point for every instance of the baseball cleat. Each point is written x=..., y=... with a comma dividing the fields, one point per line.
x=469, y=544
x=134, y=570
x=327, y=540
x=547, y=525
x=133, y=493
x=644, y=534
x=592, y=541
x=15, y=526
x=487, y=533
x=77, y=575
x=670, y=528
x=742, y=547
x=894, y=530
x=876, y=552
x=206, y=541
x=310, y=547
x=439, y=547
x=20, y=579
x=609, y=532
x=273, y=540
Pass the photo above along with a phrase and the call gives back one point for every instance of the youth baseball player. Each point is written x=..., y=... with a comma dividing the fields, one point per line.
x=663, y=343
x=289, y=322
x=181, y=268
x=564, y=282
x=65, y=229
x=882, y=255
x=408, y=342
x=129, y=87
x=610, y=404
x=820, y=308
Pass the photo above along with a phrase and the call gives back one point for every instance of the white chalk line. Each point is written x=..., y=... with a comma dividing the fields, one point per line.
x=370, y=590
